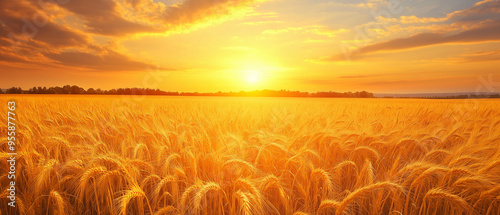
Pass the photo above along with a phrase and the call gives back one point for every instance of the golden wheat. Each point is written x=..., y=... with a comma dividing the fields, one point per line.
x=181, y=155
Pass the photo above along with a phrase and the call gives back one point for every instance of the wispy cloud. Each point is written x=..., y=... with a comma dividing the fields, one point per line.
x=371, y=4
x=489, y=31
x=481, y=56
x=358, y=76
x=480, y=23
x=107, y=60
x=312, y=29
x=262, y=22
x=194, y=12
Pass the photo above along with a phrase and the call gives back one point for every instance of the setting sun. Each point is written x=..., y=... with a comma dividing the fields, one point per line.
x=252, y=77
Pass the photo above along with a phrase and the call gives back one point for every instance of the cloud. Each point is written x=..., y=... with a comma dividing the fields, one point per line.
x=63, y=32
x=483, y=56
x=370, y=4
x=262, y=22
x=485, y=33
x=104, y=17
x=483, y=10
x=125, y=17
x=195, y=12
x=108, y=61
x=22, y=21
x=480, y=23
x=9, y=57
x=415, y=19
x=30, y=35
x=358, y=76
x=26, y=31
x=480, y=11
x=312, y=29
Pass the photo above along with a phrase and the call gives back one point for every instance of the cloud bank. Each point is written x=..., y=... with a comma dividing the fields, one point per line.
x=67, y=32
x=478, y=24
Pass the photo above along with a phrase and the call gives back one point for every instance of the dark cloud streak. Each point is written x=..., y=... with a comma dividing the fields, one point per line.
x=488, y=32
x=109, y=61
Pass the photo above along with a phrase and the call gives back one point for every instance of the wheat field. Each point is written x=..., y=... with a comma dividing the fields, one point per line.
x=206, y=155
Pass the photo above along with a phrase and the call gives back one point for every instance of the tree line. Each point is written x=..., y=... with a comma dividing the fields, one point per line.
x=67, y=89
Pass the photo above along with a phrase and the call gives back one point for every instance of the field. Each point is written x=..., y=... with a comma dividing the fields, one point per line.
x=204, y=155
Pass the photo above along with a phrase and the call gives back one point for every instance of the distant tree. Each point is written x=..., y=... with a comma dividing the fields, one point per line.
x=59, y=90
x=32, y=90
x=66, y=89
x=52, y=90
x=91, y=91
x=76, y=90
x=364, y=94
x=494, y=96
x=14, y=90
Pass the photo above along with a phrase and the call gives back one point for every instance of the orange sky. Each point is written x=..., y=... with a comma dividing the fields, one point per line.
x=382, y=46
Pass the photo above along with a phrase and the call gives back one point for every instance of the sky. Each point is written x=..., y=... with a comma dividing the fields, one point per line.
x=381, y=46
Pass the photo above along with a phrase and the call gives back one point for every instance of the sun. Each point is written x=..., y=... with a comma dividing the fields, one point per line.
x=252, y=77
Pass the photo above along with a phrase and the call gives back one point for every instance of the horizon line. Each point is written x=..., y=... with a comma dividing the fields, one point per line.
x=265, y=89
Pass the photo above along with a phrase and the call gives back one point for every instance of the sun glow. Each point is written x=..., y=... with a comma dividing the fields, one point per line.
x=252, y=72
x=252, y=77
x=255, y=74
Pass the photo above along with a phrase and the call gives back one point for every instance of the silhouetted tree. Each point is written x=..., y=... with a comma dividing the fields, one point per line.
x=32, y=90
x=76, y=90
x=52, y=90
x=364, y=94
x=14, y=90
x=91, y=91
x=66, y=89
